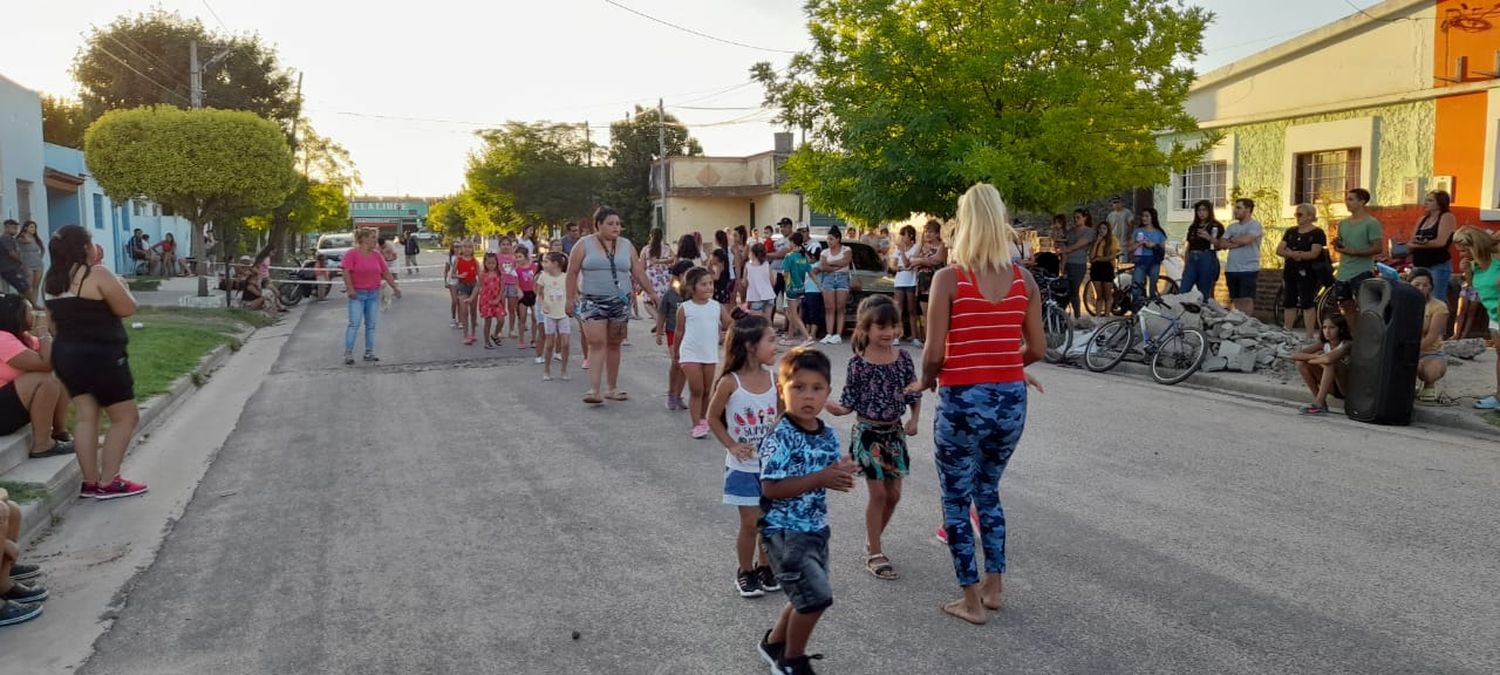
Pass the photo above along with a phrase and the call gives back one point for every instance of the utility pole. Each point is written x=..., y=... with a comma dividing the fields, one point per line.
x=588, y=141
x=661, y=128
x=195, y=76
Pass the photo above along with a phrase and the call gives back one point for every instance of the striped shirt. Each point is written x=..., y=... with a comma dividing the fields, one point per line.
x=984, y=338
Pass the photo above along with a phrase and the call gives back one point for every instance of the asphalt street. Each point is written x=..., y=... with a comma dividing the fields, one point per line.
x=446, y=511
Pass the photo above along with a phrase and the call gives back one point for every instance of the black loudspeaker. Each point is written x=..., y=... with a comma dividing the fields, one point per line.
x=1383, y=359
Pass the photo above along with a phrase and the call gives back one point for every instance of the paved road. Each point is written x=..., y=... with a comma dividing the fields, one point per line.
x=448, y=512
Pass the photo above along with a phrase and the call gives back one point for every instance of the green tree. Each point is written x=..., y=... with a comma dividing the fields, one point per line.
x=63, y=121
x=142, y=59
x=634, y=144
x=528, y=173
x=910, y=103
x=207, y=165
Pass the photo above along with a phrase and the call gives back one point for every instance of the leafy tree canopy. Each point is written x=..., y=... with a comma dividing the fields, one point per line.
x=142, y=59
x=532, y=173
x=634, y=144
x=63, y=122
x=909, y=103
x=204, y=164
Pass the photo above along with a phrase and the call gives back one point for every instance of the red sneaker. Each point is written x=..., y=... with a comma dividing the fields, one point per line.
x=88, y=490
x=119, y=487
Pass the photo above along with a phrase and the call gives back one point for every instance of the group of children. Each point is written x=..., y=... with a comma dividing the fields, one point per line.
x=518, y=295
x=781, y=458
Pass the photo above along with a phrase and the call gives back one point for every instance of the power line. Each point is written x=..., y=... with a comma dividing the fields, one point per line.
x=715, y=107
x=1372, y=17
x=148, y=78
x=698, y=33
x=211, y=11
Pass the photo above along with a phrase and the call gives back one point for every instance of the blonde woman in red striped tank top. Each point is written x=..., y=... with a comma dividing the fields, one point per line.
x=984, y=326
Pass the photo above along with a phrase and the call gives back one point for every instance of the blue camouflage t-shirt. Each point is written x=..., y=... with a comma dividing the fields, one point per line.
x=788, y=452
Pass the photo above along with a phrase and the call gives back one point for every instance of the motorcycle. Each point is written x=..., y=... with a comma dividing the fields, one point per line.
x=308, y=271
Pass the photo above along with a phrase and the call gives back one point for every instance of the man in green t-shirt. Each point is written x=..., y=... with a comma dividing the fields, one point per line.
x=1361, y=240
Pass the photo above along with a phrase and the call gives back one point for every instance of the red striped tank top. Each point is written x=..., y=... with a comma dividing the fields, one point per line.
x=984, y=338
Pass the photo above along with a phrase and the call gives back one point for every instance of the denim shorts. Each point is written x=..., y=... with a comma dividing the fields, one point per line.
x=611, y=308
x=1241, y=284
x=741, y=488
x=800, y=560
x=759, y=305
x=836, y=281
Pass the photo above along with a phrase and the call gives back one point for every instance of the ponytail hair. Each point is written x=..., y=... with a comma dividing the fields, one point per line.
x=69, y=249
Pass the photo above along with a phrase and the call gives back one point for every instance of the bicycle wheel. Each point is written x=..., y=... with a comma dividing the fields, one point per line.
x=1165, y=285
x=1178, y=356
x=1090, y=298
x=1328, y=303
x=290, y=294
x=1059, y=329
x=1107, y=348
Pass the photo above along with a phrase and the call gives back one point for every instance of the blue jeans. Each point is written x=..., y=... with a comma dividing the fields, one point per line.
x=365, y=304
x=1442, y=273
x=975, y=430
x=1201, y=271
x=1144, y=275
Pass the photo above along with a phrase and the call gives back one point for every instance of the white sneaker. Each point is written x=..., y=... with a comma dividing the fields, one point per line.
x=557, y=358
x=827, y=340
x=539, y=360
x=837, y=340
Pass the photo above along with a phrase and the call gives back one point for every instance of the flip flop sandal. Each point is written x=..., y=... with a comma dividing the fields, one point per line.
x=592, y=399
x=1314, y=410
x=618, y=396
x=880, y=567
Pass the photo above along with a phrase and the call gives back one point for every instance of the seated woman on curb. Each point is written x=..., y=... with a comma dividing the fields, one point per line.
x=19, y=601
x=29, y=393
x=1434, y=363
x=1324, y=365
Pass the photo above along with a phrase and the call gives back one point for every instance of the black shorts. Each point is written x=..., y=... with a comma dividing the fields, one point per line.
x=1299, y=288
x=800, y=560
x=1241, y=284
x=1349, y=290
x=1102, y=271
x=13, y=415
x=779, y=286
x=100, y=370
x=17, y=280
x=528, y=298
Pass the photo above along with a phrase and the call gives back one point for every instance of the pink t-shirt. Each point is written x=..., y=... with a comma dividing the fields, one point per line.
x=526, y=276
x=10, y=346
x=364, y=269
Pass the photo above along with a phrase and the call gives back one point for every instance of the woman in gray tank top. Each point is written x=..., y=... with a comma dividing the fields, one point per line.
x=601, y=270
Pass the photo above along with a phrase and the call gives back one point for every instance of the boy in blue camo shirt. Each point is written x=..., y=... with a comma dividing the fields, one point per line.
x=800, y=461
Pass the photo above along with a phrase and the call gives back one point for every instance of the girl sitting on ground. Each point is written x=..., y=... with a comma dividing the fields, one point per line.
x=1324, y=366
x=29, y=393
x=1433, y=364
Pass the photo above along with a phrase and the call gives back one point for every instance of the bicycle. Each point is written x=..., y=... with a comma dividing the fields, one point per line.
x=1165, y=285
x=1174, y=354
x=1056, y=323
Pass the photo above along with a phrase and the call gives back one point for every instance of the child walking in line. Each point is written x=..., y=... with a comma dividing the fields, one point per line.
x=799, y=463
x=741, y=413
x=700, y=322
x=466, y=278
x=553, y=287
x=876, y=391
x=796, y=267
x=449, y=282
x=666, y=328
x=491, y=302
x=511, y=289
x=526, y=282
x=760, y=293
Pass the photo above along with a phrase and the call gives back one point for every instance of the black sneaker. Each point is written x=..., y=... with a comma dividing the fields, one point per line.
x=14, y=612
x=23, y=571
x=370, y=356
x=771, y=653
x=24, y=594
x=748, y=585
x=767, y=579
x=348, y=359
x=801, y=665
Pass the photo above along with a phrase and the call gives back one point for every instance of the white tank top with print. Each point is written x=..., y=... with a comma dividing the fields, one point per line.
x=750, y=416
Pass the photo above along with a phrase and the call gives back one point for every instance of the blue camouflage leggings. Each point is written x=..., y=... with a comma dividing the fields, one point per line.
x=976, y=429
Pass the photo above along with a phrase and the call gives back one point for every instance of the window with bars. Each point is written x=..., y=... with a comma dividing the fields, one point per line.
x=1208, y=180
x=1326, y=175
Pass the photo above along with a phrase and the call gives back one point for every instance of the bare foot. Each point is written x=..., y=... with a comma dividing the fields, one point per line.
x=989, y=592
x=962, y=610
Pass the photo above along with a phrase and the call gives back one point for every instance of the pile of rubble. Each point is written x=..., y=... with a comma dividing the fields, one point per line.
x=1236, y=341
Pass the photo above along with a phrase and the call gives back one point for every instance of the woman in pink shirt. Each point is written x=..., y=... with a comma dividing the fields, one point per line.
x=364, y=268
x=29, y=393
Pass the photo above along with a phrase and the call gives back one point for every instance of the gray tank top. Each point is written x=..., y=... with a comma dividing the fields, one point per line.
x=604, y=275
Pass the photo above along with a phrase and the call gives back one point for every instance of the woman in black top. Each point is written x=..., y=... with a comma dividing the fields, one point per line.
x=1201, y=268
x=1305, y=271
x=1431, y=239
x=85, y=302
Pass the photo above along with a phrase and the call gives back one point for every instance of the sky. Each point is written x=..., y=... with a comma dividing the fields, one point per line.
x=404, y=91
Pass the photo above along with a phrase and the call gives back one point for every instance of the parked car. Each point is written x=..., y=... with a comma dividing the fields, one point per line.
x=332, y=247
x=425, y=236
